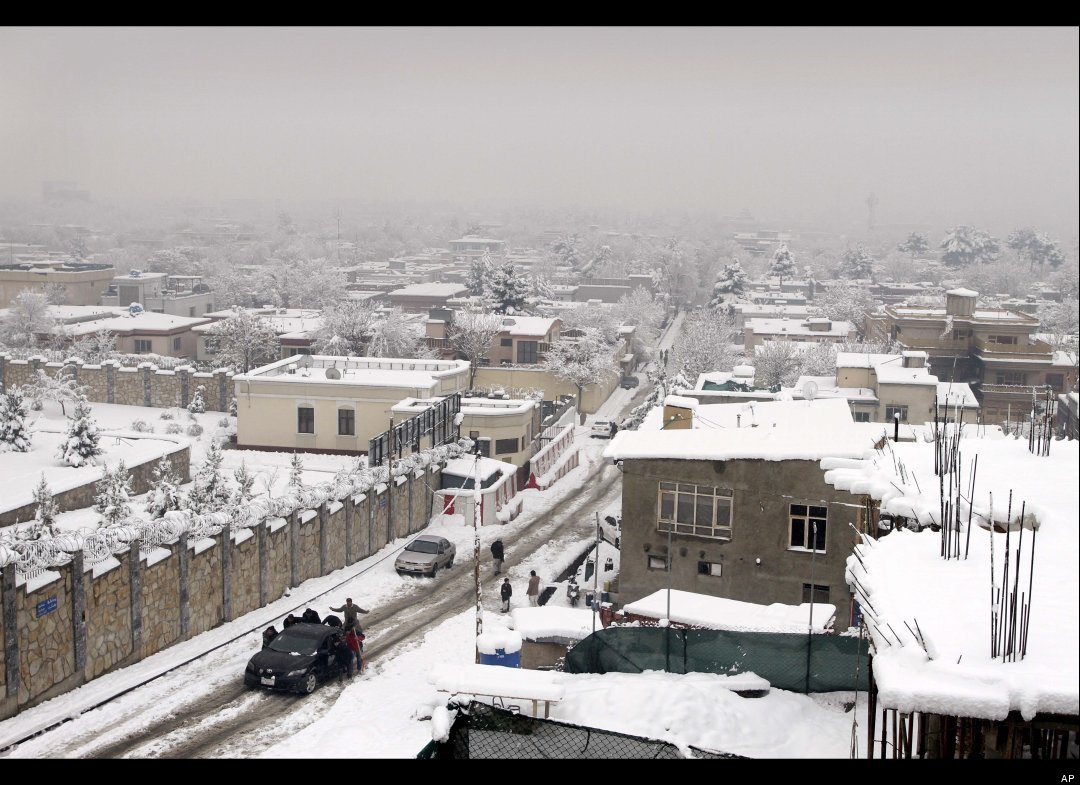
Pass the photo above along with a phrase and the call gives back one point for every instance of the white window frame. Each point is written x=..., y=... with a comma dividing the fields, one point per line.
x=305, y=405
x=697, y=494
x=807, y=518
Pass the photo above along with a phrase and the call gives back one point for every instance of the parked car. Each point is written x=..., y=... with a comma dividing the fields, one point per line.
x=425, y=555
x=297, y=659
x=602, y=429
x=629, y=382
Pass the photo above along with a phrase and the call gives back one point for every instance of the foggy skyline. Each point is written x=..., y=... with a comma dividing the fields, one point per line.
x=951, y=125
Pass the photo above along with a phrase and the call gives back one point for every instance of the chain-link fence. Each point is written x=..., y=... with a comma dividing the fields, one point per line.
x=481, y=731
x=796, y=662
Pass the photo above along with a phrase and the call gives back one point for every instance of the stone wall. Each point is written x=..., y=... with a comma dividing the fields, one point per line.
x=145, y=385
x=133, y=610
x=83, y=495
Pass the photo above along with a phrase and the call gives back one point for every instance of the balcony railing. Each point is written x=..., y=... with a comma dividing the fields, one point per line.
x=1018, y=390
x=958, y=346
x=1036, y=350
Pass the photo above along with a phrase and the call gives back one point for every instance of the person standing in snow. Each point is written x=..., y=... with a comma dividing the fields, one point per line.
x=497, y=555
x=534, y=587
x=506, y=591
x=350, y=612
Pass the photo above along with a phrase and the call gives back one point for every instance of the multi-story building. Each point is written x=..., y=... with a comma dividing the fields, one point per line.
x=994, y=350
x=82, y=283
x=176, y=295
x=812, y=330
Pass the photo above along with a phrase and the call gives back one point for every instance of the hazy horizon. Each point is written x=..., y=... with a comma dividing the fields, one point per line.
x=944, y=125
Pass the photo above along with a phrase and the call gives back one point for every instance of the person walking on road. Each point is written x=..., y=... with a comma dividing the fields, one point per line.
x=506, y=591
x=534, y=587
x=497, y=555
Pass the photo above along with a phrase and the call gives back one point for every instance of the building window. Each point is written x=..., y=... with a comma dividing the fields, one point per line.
x=698, y=510
x=713, y=568
x=1018, y=378
x=176, y=342
x=657, y=563
x=305, y=419
x=504, y=446
x=807, y=525
x=892, y=409
x=143, y=346
x=1056, y=382
x=960, y=335
x=1007, y=340
x=812, y=592
x=860, y=416
x=485, y=447
x=526, y=351
x=506, y=342
x=346, y=422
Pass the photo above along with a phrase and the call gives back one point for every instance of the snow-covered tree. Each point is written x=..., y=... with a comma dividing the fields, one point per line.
x=731, y=283
x=28, y=319
x=80, y=446
x=581, y=361
x=1036, y=247
x=856, y=263
x=232, y=407
x=346, y=329
x=44, y=523
x=844, y=301
x=95, y=348
x=706, y=343
x=397, y=335
x=472, y=335
x=15, y=434
x=964, y=245
x=209, y=490
x=645, y=313
x=818, y=360
x=783, y=263
x=164, y=494
x=61, y=387
x=296, y=472
x=593, y=317
x=565, y=249
x=198, y=402
x=245, y=483
x=113, y=497
x=777, y=363
x=244, y=341
x=508, y=289
x=539, y=291
x=914, y=244
x=481, y=272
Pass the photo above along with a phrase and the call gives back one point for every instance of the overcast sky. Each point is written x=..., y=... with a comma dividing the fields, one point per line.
x=951, y=125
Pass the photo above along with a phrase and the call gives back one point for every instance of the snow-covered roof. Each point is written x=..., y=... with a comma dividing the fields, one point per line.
x=429, y=290
x=903, y=581
x=956, y=394
x=468, y=466
x=679, y=400
x=888, y=373
x=142, y=322
x=768, y=430
x=527, y=325
x=863, y=360
x=794, y=327
x=827, y=388
x=366, y=371
x=550, y=621
x=476, y=679
x=718, y=613
x=962, y=292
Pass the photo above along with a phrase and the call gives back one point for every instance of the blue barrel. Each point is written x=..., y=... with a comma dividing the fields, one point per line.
x=500, y=657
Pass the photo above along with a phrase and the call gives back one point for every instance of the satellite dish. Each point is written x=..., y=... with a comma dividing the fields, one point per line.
x=134, y=309
x=809, y=390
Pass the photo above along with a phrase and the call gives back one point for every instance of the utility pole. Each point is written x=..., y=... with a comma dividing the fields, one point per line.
x=596, y=571
x=477, y=503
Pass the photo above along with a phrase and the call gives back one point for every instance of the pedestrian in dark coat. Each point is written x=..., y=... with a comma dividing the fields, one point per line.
x=506, y=591
x=352, y=640
x=497, y=555
x=290, y=620
x=311, y=617
x=269, y=634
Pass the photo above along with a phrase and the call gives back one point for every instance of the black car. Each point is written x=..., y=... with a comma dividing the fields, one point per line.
x=298, y=659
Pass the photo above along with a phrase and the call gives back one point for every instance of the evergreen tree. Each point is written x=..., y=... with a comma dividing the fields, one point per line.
x=783, y=263
x=44, y=523
x=964, y=245
x=80, y=446
x=296, y=471
x=914, y=244
x=732, y=280
x=245, y=481
x=481, y=272
x=114, y=495
x=509, y=289
x=209, y=492
x=14, y=433
x=164, y=495
x=198, y=404
x=856, y=263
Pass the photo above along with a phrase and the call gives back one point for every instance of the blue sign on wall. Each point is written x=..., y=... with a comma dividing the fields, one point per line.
x=46, y=606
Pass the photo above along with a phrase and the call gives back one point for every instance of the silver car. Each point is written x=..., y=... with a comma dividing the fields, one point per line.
x=425, y=555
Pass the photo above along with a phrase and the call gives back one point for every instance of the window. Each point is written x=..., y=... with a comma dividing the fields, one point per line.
x=176, y=342
x=1012, y=377
x=346, y=422
x=143, y=346
x=506, y=342
x=503, y=446
x=713, y=568
x=812, y=592
x=485, y=447
x=657, y=563
x=1055, y=381
x=808, y=527
x=698, y=510
x=1006, y=340
x=305, y=419
x=526, y=352
x=860, y=416
x=892, y=409
x=959, y=334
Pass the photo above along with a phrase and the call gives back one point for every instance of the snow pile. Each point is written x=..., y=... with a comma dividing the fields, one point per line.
x=504, y=640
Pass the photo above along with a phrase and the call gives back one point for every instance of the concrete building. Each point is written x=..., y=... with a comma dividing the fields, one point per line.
x=993, y=350
x=422, y=297
x=320, y=403
x=145, y=333
x=812, y=330
x=82, y=283
x=740, y=511
x=176, y=295
x=294, y=327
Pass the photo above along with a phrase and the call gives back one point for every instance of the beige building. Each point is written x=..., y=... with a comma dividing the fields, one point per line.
x=505, y=428
x=176, y=295
x=812, y=330
x=320, y=403
x=82, y=283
